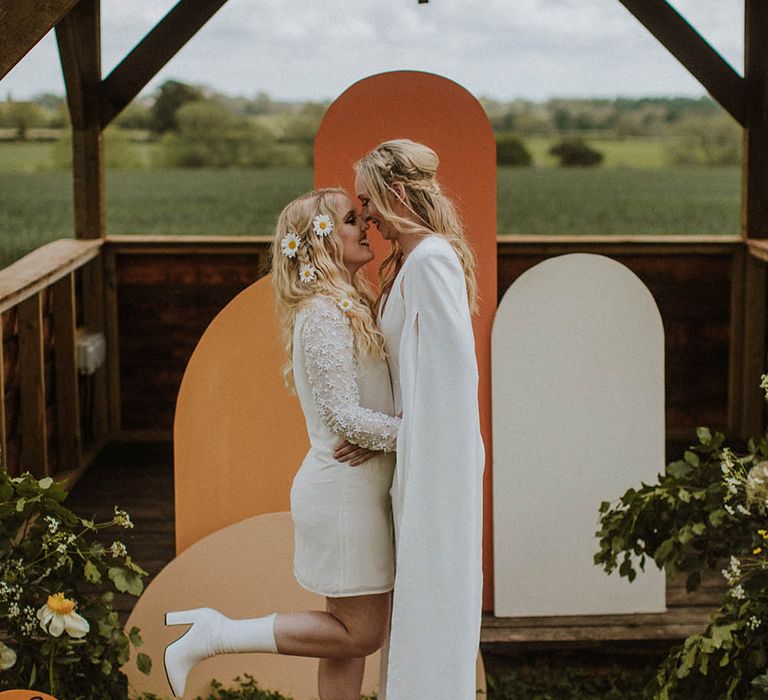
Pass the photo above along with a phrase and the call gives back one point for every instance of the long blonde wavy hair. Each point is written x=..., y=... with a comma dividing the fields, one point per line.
x=414, y=165
x=326, y=254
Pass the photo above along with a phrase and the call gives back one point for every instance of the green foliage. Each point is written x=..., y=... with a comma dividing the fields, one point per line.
x=47, y=550
x=171, y=96
x=510, y=150
x=247, y=688
x=20, y=116
x=119, y=152
x=211, y=136
x=576, y=152
x=563, y=675
x=703, y=510
x=705, y=140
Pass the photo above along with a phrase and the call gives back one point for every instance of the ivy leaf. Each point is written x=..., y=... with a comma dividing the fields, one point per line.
x=20, y=504
x=126, y=581
x=144, y=663
x=716, y=517
x=135, y=636
x=91, y=572
x=46, y=483
x=704, y=435
x=699, y=528
x=761, y=682
x=679, y=469
x=692, y=458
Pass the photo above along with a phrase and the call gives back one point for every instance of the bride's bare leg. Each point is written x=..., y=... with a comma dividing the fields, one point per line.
x=350, y=629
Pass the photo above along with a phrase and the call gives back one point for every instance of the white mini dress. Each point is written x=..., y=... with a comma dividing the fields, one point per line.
x=342, y=515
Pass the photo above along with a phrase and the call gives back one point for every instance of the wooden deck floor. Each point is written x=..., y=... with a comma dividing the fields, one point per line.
x=138, y=477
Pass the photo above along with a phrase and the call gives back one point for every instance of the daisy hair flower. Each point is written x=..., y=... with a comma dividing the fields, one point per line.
x=290, y=244
x=323, y=225
x=7, y=657
x=307, y=273
x=345, y=305
x=58, y=615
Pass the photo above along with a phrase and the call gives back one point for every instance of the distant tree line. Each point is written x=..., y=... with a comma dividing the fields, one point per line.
x=196, y=127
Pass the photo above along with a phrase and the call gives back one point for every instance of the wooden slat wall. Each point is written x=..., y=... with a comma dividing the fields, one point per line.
x=168, y=291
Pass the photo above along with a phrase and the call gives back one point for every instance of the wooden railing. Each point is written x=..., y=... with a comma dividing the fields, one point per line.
x=40, y=419
x=153, y=296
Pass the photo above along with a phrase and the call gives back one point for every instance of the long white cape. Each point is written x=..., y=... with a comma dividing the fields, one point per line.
x=437, y=490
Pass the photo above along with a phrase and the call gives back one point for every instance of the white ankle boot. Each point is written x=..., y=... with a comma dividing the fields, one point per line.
x=212, y=633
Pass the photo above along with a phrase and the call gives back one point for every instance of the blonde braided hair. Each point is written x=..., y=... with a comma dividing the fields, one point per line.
x=414, y=166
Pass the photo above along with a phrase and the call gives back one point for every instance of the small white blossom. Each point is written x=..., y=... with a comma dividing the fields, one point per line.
x=754, y=622
x=742, y=509
x=13, y=610
x=729, y=509
x=122, y=518
x=738, y=592
x=53, y=524
x=118, y=549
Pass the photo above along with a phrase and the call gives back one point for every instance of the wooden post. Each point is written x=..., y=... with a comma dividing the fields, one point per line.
x=67, y=399
x=79, y=39
x=34, y=440
x=755, y=215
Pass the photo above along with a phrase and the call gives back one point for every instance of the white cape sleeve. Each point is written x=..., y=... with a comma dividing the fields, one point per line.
x=329, y=359
x=437, y=490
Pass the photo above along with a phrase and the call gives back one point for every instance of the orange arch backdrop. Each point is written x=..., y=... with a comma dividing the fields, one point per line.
x=239, y=436
x=440, y=113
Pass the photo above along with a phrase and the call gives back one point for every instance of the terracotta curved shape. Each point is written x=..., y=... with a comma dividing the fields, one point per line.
x=436, y=111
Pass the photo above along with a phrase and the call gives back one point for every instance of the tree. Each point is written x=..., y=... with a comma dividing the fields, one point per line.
x=706, y=140
x=22, y=115
x=510, y=150
x=576, y=152
x=171, y=96
x=211, y=136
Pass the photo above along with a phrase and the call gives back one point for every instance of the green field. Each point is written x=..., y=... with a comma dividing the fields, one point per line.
x=36, y=206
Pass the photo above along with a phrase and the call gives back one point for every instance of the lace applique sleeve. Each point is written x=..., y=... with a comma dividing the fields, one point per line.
x=330, y=362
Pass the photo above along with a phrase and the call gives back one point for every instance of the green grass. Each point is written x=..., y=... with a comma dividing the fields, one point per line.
x=25, y=157
x=36, y=207
x=618, y=153
x=619, y=201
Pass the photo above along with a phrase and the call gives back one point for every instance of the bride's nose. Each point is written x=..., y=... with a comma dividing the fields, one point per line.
x=364, y=225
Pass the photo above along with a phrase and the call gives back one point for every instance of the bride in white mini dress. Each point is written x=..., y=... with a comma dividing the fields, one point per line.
x=341, y=511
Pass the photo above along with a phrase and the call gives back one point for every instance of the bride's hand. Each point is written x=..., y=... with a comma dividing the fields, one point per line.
x=354, y=454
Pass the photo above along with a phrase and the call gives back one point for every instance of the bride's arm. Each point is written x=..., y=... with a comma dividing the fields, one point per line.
x=329, y=359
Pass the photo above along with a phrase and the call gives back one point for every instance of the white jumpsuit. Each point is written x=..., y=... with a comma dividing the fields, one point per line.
x=342, y=514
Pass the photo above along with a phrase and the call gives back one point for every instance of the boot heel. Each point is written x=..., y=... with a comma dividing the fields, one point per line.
x=184, y=617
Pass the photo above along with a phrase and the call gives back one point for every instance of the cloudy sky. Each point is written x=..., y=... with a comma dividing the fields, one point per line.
x=314, y=49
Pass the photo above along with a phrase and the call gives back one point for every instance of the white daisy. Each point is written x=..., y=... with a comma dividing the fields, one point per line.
x=58, y=615
x=7, y=657
x=345, y=305
x=307, y=273
x=290, y=244
x=323, y=225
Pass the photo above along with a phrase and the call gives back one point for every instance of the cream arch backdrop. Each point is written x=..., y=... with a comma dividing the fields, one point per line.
x=578, y=405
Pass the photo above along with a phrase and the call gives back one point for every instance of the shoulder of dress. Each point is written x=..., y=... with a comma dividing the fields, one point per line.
x=434, y=254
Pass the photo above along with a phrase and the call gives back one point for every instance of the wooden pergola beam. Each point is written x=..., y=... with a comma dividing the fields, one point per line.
x=155, y=50
x=693, y=51
x=23, y=24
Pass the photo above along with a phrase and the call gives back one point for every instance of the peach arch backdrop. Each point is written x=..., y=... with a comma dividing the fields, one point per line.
x=239, y=436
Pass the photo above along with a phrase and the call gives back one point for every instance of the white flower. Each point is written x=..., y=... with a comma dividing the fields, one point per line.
x=323, y=225
x=345, y=305
x=290, y=244
x=738, y=592
x=729, y=509
x=754, y=622
x=53, y=524
x=14, y=610
x=7, y=657
x=307, y=273
x=58, y=615
x=122, y=518
x=118, y=549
